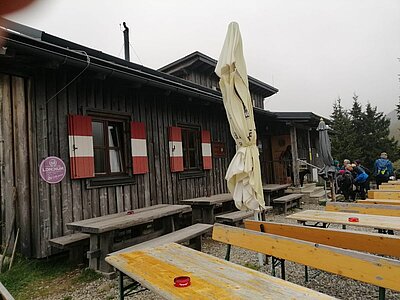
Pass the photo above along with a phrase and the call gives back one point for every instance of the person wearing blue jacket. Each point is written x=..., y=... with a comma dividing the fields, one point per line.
x=383, y=169
x=360, y=179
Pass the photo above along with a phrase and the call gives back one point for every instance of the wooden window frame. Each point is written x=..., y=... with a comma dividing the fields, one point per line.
x=116, y=179
x=194, y=172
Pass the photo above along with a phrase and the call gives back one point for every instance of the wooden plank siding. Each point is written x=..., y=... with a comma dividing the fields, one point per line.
x=44, y=209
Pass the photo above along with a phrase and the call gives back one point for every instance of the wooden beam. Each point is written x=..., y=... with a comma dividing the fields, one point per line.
x=379, y=271
x=369, y=209
x=380, y=201
x=384, y=194
x=388, y=187
x=353, y=240
x=295, y=156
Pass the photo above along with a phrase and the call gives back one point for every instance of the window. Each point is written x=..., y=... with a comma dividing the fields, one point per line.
x=108, y=145
x=191, y=148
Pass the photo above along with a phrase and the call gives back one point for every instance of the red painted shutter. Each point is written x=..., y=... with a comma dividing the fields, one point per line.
x=175, y=149
x=140, y=160
x=206, y=149
x=80, y=146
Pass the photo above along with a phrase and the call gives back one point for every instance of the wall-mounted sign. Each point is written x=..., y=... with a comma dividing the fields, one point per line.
x=52, y=169
x=218, y=149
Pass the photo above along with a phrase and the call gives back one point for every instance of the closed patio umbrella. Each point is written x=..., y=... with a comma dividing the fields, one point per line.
x=244, y=173
x=328, y=171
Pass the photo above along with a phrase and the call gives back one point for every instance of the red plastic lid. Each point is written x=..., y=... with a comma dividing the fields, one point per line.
x=182, y=281
x=130, y=212
x=353, y=219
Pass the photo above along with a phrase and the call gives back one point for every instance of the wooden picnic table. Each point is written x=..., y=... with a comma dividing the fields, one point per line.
x=271, y=189
x=211, y=277
x=203, y=207
x=328, y=217
x=102, y=230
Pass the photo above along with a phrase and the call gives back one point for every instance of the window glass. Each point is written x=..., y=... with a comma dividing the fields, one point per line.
x=99, y=161
x=191, y=148
x=98, y=133
x=108, y=147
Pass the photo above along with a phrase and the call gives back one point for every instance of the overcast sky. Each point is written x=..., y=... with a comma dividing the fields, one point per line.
x=313, y=51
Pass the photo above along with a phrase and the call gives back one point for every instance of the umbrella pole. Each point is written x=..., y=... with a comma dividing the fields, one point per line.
x=260, y=256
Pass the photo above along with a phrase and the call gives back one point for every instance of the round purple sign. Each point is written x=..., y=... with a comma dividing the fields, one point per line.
x=52, y=169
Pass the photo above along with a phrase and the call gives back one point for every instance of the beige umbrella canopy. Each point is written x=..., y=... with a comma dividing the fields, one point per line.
x=243, y=174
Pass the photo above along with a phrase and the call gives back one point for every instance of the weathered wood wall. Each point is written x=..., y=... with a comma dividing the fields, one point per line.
x=34, y=128
x=212, y=81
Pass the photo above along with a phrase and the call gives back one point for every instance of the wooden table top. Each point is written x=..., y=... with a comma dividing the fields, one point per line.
x=275, y=187
x=124, y=219
x=372, y=221
x=380, y=201
x=211, y=277
x=215, y=199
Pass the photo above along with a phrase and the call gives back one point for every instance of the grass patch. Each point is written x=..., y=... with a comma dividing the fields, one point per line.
x=86, y=276
x=252, y=266
x=26, y=275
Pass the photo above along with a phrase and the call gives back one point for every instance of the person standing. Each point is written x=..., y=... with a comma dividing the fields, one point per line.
x=383, y=169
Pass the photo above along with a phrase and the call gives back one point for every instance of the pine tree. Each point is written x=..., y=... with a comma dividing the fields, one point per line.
x=357, y=125
x=341, y=137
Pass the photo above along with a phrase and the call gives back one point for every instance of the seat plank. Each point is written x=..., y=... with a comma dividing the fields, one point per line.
x=211, y=277
x=4, y=293
x=354, y=240
x=379, y=201
x=214, y=199
x=384, y=194
x=370, y=209
x=235, y=216
x=179, y=236
x=70, y=240
x=364, y=267
x=287, y=198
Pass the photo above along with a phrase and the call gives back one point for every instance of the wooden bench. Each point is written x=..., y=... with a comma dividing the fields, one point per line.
x=74, y=243
x=288, y=201
x=387, y=187
x=370, y=209
x=384, y=194
x=380, y=201
x=368, y=268
x=354, y=240
x=191, y=233
x=4, y=293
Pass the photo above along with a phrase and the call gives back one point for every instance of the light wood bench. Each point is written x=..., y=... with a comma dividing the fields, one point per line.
x=74, y=243
x=4, y=293
x=370, y=209
x=288, y=201
x=387, y=187
x=368, y=268
x=191, y=233
x=354, y=240
x=379, y=201
x=384, y=194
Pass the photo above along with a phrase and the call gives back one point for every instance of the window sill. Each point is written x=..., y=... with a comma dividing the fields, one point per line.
x=99, y=182
x=191, y=174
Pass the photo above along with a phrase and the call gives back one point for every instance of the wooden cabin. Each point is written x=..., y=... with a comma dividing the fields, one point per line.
x=129, y=136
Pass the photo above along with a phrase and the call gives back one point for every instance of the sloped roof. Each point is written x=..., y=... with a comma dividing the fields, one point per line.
x=202, y=62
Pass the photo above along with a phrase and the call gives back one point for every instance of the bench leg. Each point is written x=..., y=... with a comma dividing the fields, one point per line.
x=196, y=214
x=94, y=246
x=208, y=215
x=196, y=243
x=305, y=274
x=76, y=254
x=106, y=244
x=121, y=285
x=382, y=293
x=228, y=252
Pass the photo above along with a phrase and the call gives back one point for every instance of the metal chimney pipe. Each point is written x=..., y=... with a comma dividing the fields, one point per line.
x=126, y=41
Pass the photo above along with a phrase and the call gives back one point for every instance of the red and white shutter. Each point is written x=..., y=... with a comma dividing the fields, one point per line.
x=206, y=149
x=140, y=160
x=80, y=146
x=175, y=149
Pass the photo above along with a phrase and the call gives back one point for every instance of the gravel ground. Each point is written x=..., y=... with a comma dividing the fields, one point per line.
x=323, y=282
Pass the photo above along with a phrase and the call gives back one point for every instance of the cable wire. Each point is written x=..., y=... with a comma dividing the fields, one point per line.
x=75, y=78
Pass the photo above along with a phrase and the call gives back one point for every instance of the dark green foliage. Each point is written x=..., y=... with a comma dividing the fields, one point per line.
x=361, y=134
